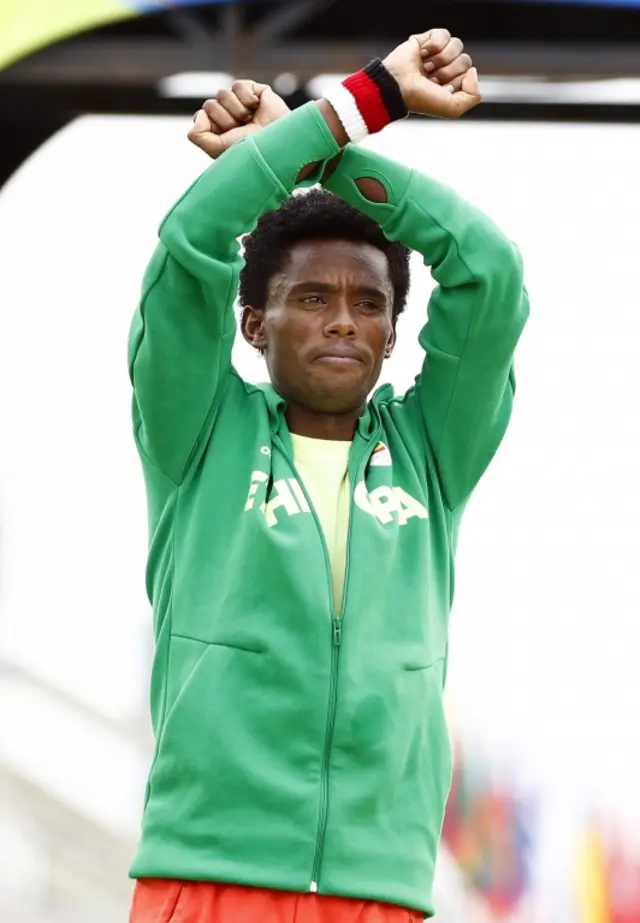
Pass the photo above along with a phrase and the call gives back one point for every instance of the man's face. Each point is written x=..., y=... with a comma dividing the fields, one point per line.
x=328, y=325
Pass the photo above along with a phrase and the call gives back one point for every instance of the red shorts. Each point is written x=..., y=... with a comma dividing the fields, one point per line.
x=161, y=901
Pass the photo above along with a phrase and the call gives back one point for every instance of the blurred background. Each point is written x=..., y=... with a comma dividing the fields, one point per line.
x=543, y=823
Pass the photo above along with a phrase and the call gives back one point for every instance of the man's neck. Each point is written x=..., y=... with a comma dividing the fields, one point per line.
x=338, y=427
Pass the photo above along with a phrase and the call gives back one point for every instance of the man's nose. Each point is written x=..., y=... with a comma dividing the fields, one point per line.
x=342, y=323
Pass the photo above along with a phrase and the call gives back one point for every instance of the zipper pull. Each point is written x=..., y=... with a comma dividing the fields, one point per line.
x=337, y=631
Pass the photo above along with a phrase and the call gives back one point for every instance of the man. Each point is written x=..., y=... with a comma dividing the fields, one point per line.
x=302, y=536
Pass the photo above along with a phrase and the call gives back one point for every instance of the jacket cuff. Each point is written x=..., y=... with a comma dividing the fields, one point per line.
x=291, y=143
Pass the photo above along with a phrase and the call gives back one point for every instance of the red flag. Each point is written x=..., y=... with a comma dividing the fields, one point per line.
x=623, y=872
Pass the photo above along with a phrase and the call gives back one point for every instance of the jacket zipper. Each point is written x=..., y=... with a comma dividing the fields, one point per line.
x=337, y=622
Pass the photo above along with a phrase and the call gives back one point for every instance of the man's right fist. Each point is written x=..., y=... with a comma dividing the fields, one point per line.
x=234, y=114
x=435, y=75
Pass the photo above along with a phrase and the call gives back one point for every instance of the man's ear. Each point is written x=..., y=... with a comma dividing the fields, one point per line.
x=253, y=328
x=391, y=342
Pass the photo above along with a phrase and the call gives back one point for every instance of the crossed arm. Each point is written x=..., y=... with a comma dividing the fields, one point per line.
x=183, y=332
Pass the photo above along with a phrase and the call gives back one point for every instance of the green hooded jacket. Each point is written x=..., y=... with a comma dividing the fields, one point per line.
x=297, y=747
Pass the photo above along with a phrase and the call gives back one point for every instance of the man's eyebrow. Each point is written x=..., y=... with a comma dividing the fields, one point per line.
x=370, y=291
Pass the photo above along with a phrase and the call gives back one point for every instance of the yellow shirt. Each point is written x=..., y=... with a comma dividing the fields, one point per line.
x=322, y=465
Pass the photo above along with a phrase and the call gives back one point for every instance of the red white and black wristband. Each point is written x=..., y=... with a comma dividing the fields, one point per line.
x=368, y=101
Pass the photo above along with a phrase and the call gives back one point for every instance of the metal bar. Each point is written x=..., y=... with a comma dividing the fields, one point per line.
x=285, y=18
x=189, y=26
x=137, y=63
x=232, y=22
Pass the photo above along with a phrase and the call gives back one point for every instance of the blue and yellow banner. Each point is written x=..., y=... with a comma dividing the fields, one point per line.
x=28, y=25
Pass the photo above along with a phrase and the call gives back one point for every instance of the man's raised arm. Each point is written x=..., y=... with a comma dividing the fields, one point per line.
x=183, y=331
x=476, y=313
x=464, y=393
x=479, y=309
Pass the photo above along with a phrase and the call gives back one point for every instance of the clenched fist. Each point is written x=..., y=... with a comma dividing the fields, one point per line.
x=234, y=114
x=435, y=75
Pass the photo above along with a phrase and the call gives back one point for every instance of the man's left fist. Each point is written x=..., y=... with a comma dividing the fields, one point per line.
x=435, y=75
x=445, y=60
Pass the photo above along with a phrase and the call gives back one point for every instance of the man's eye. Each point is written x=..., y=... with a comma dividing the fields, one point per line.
x=312, y=299
x=369, y=305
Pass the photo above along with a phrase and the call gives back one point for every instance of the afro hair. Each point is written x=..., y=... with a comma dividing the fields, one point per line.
x=315, y=215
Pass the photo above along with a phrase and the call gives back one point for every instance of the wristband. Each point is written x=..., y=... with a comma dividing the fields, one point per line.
x=368, y=101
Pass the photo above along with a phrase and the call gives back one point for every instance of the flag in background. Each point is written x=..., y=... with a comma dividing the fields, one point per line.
x=623, y=867
x=592, y=888
x=28, y=25
x=489, y=831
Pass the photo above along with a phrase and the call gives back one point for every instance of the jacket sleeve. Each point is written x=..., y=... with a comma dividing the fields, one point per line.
x=183, y=331
x=476, y=313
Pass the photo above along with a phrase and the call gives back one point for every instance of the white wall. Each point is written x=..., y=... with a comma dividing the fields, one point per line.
x=546, y=630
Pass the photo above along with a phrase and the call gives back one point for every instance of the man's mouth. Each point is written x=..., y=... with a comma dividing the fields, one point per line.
x=339, y=358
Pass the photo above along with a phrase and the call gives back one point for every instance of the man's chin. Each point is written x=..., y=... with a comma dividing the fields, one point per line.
x=324, y=390
x=337, y=399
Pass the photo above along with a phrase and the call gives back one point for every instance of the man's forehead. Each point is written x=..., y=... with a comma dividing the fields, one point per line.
x=336, y=257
